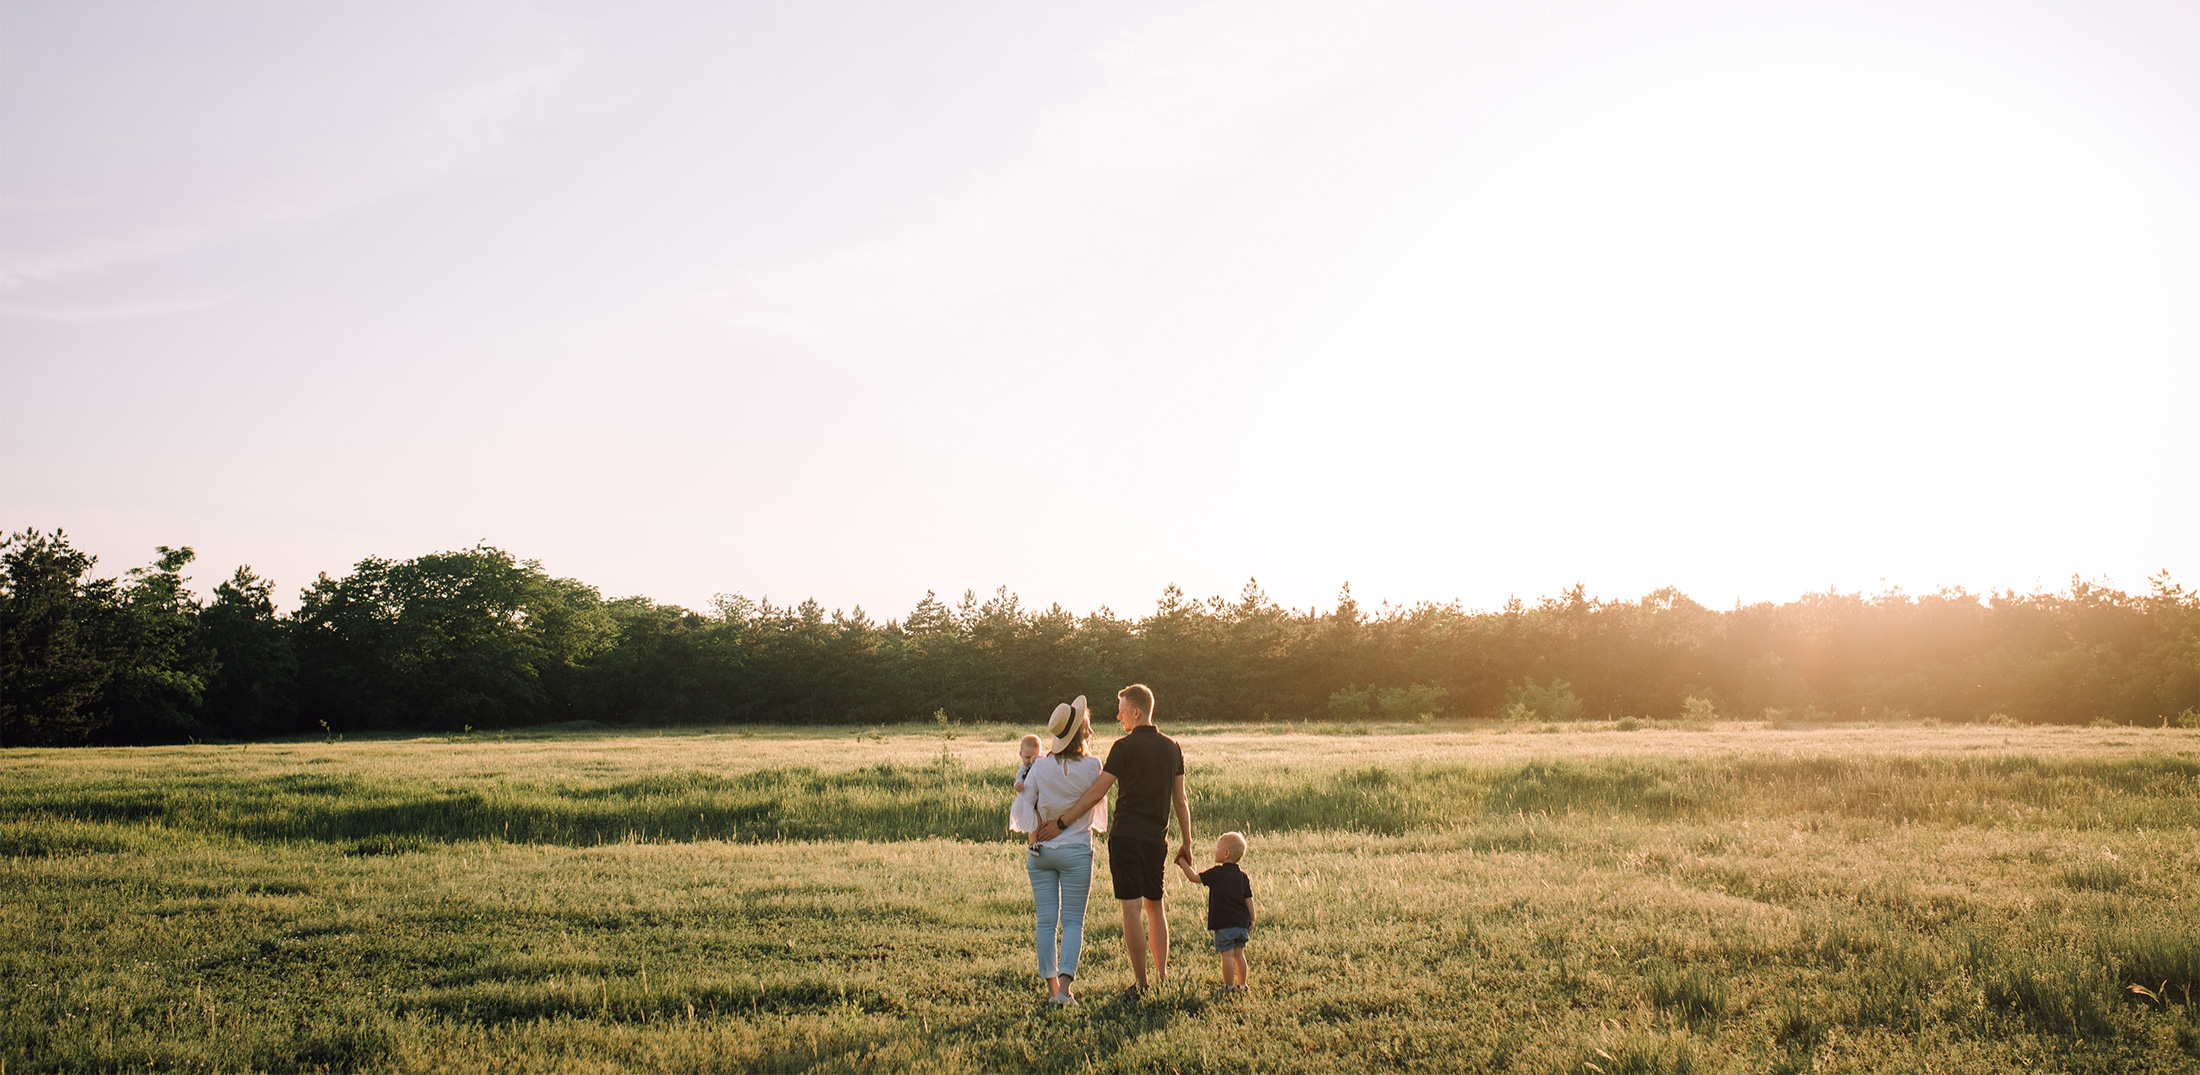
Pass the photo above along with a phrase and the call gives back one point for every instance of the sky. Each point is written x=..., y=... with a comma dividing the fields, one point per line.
x=1446, y=301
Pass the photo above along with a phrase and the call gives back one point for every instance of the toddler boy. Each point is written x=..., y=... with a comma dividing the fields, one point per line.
x=1230, y=906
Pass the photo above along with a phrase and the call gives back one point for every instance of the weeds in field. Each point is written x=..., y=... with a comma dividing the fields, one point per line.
x=1695, y=996
x=1643, y=1054
x=2095, y=877
x=1796, y=1027
x=2168, y=958
x=2059, y=992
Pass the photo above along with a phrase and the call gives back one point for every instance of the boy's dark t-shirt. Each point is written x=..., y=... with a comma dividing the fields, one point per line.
x=1145, y=765
x=1228, y=889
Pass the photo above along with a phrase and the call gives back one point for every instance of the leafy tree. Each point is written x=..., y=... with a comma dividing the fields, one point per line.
x=253, y=692
x=477, y=637
x=56, y=643
x=1256, y=647
x=468, y=638
x=1180, y=647
x=668, y=665
x=164, y=666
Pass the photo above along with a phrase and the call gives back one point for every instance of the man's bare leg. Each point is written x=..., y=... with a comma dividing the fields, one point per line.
x=1134, y=940
x=1157, y=933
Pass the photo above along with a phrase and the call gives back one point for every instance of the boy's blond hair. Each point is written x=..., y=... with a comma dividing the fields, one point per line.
x=1233, y=845
x=1032, y=741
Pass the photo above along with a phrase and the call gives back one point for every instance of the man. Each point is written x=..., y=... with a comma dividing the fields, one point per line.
x=1150, y=766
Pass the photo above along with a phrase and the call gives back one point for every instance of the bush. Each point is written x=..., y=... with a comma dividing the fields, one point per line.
x=1351, y=703
x=1407, y=703
x=1555, y=702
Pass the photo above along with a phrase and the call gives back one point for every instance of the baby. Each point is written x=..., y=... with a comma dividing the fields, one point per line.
x=1023, y=816
x=1230, y=906
x=1030, y=752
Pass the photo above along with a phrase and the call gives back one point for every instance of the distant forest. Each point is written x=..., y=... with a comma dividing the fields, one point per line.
x=477, y=639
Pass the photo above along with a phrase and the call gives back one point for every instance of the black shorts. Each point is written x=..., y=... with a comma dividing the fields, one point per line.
x=1136, y=866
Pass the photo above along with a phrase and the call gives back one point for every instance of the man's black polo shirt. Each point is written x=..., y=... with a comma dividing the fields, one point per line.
x=1145, y=765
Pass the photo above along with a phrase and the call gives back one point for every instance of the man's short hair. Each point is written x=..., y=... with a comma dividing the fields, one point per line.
x=1138, y=696
x=1233, y=845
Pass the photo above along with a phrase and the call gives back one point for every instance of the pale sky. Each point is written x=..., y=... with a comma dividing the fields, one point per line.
x=855, y=301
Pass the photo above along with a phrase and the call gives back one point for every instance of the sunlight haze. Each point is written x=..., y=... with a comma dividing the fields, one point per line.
x=857, y=301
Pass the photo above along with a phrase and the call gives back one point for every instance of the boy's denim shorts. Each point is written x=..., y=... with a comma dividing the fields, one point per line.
x=1232, y=939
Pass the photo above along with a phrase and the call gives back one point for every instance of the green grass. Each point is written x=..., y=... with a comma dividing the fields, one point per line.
x=1435, y=898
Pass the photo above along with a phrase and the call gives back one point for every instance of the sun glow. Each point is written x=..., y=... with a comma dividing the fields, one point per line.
x=1781, y=290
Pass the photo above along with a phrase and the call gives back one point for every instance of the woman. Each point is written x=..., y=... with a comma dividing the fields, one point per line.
x=1061, y=867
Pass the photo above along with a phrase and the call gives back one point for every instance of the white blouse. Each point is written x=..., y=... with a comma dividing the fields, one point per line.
x=1054, y=784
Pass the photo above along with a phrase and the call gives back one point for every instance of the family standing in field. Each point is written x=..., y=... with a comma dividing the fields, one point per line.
x=1061, y=800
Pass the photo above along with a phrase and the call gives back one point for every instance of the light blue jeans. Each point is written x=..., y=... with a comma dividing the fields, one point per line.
x=1061, y=878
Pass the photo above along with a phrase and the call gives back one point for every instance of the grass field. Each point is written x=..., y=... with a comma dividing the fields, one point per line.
x=1535, y=898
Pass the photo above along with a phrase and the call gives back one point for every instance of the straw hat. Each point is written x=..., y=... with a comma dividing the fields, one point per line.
x=1063, y=725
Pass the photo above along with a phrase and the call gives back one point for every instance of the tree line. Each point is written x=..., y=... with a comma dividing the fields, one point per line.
x=477, y=638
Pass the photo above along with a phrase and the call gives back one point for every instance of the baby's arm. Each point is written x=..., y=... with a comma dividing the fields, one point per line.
x=1189, y=873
